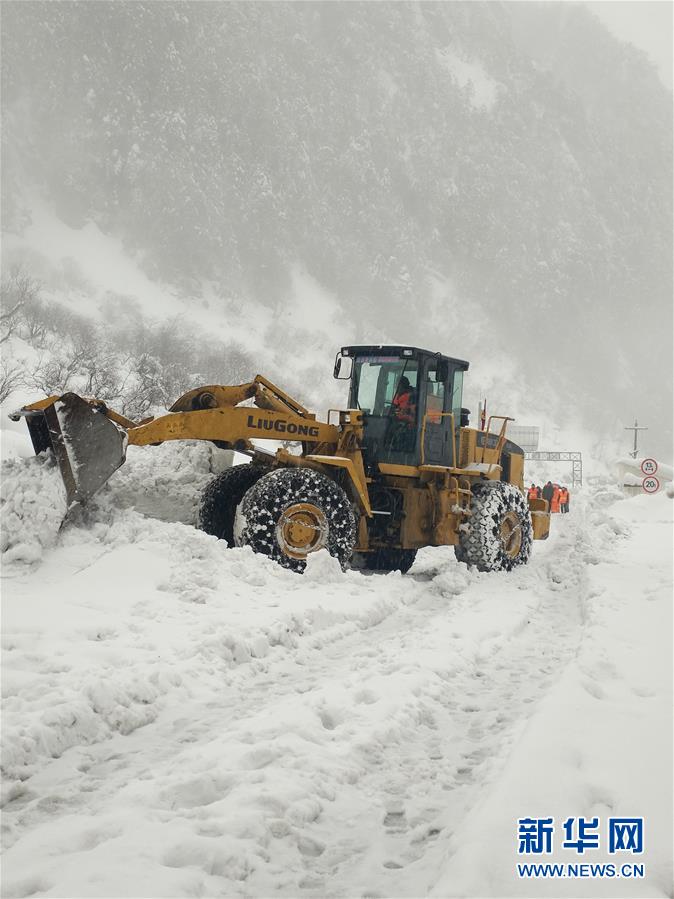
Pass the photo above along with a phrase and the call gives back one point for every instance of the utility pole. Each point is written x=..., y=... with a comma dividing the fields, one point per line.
x=636, y=429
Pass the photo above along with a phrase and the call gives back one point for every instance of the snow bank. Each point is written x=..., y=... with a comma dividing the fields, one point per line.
x=14, y=445
x=128, y=592
x=165, y=481
x=33, y=505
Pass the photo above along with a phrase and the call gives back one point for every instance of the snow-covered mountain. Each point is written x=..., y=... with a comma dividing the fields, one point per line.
x=493, y=180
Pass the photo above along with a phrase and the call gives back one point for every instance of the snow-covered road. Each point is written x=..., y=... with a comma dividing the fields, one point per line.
x=181, y=719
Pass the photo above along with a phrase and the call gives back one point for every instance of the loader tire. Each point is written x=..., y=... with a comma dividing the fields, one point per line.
x=390, y=560
x=499, y=533
x=292, y=512
x=221, y=497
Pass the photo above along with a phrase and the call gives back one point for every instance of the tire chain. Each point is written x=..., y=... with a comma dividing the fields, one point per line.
x=266, y=502
x=221, y=497
x=480, y=545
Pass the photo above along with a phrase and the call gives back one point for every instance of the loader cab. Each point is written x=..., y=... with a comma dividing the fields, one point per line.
x=411, y=399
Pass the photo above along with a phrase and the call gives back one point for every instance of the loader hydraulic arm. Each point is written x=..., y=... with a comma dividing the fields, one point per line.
x=213, y=413
x=233, y=425
x=263, y=392
x=89, y=440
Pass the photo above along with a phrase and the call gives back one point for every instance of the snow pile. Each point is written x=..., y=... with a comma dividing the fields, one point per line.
x=14, y=444
x=322, y=568
x=164, y=481
x=33, y=505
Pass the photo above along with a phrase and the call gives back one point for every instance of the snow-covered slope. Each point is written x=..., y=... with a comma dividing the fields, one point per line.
x=185, y=719
x=89, y=274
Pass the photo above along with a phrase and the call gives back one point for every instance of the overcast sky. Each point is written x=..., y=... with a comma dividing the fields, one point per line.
x=646, y=23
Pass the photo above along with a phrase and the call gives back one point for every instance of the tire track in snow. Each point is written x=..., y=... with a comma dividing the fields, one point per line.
x=476, y=714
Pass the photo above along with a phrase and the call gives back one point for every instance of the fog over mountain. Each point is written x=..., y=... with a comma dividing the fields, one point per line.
x=515, y=153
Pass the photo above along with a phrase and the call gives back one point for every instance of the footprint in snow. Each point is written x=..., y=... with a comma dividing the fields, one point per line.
x=30, y=886
x=91, y=839
x=475, y=756
x=259, y=758
x=425, y=833
x=593, y=689
x=311, y=883
x=196, y=792
x=366, y=697
x=331, y=717
x=310, y=847
x=644, y=692
x=395, y=822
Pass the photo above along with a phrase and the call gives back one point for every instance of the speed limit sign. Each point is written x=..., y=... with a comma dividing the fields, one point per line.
x=649, y=466
x=651, y=484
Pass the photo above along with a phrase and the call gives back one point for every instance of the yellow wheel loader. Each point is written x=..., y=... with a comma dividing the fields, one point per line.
x=399, y=469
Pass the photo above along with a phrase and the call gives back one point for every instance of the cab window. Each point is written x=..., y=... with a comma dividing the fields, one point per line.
x=376, y=380
x=457, y=392
x=435, y=398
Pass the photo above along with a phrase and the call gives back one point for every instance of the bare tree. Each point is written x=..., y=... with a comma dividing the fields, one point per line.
x=35, y=325
x=8, y=322
x=17, y=290
x=143, y=388
x=101, y=375
x=11, y=377
x=57, y=374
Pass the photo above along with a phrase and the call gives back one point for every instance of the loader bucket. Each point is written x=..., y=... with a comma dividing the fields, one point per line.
x=87, y=446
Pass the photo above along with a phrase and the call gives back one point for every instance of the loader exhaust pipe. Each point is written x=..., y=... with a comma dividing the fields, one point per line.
x=88, y=447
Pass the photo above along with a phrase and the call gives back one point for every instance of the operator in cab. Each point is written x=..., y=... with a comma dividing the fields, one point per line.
x=404, y=407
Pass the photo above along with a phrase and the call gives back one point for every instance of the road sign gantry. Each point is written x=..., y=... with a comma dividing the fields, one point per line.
x=575, y=458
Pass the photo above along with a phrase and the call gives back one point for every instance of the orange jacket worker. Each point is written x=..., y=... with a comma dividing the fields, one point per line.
x=554, y=502
x=404, y=408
